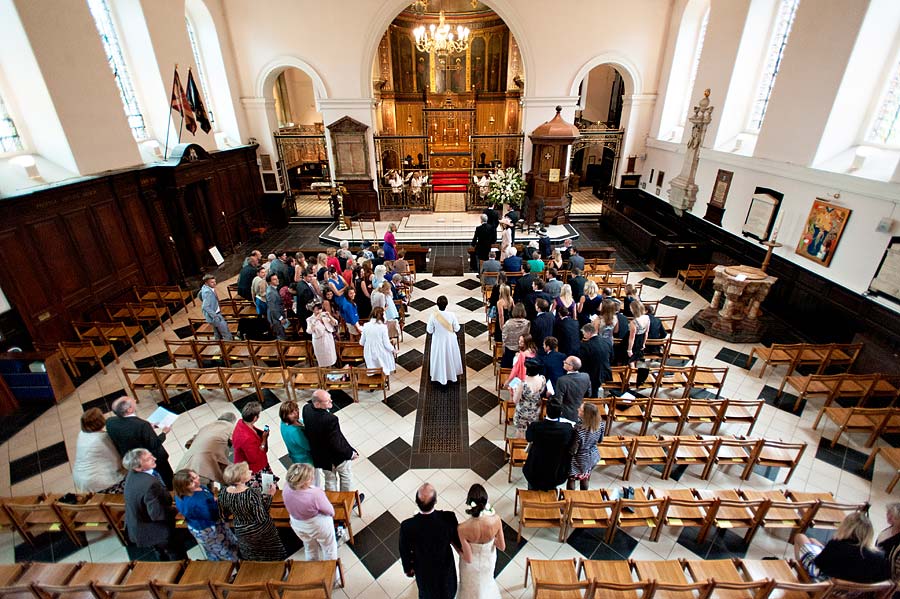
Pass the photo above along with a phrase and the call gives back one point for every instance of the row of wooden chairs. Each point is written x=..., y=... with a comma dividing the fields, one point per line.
x=167, y=381
x=751, y=579
x=836, y=387
x=139, y=314
x=696, y=272
x=874, y=421
x=228, y=353
x=820, y=356
x=655, y=509
x=89, y=352
x=168, y=580
x=664, y=453
x=171, y=295
x=108, y=333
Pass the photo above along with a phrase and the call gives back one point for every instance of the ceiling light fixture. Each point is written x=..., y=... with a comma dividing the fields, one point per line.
x=440, y=39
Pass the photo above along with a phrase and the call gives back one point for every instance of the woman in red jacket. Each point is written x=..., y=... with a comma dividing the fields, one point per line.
x=251, y=444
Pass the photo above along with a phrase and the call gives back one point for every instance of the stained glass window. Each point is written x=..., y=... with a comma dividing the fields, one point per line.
x=204, y=84
x=104, y=22
x=701, y=35
x=784, y=19
x=886, y=127
x=9, y=135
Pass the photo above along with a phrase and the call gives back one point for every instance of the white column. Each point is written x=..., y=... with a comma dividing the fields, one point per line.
x=821, y=42
x=359, y=109
x=637, y=115
x=538, y=110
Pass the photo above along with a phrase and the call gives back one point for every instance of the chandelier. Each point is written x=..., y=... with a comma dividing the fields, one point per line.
x=440, y=39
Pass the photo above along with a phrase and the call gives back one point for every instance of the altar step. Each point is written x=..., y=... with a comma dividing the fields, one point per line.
x=450, y=181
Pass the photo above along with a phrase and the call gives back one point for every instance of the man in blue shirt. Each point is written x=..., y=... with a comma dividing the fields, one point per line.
x=212, y=313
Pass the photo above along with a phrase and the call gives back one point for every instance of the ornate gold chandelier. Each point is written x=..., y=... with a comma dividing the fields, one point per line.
x=440, y=39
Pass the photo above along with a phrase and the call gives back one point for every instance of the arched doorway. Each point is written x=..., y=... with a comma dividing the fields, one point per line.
x=595, y=155
x=450, y=114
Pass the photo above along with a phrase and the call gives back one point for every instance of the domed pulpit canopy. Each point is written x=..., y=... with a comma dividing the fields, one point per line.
x=548, y=180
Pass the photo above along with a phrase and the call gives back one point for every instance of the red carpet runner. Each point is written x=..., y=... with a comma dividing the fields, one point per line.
x=450, y=182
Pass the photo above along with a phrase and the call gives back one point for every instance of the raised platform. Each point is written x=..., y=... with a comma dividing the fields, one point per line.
x=439, y=227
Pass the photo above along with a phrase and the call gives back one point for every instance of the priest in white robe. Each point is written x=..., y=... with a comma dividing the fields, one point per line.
x=446, y=361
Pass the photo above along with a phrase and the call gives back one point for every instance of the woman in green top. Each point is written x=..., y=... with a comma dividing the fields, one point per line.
x=535, y=262
x=292, y=433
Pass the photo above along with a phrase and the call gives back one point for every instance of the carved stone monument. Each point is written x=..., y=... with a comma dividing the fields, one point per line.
x=733, y=314
x=682, y=189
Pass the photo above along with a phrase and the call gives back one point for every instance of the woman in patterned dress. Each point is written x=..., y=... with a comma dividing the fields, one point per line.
x=589, y=432
x=257, y=538
x=527, y=396
x=201, y=513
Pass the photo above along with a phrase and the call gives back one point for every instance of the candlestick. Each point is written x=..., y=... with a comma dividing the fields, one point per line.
x=777, y=228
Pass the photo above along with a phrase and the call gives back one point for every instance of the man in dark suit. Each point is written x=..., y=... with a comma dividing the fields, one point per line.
x=525, y=284
x=128, y=432
x=493, y=217
x=547, y=464
x=275, y=308
x=485, y=237
x=512, y=263
x=245, y=278
x=542, y=325
x=595, y=354
x=566, y=331
x=552, y=360
x=305, y=294
x=572, y=388
x=577, y=281
x=329, y=448
x=425, y=541
x=149, y=513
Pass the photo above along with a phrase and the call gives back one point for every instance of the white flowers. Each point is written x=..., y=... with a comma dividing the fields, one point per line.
x=487, y=510
x=507, y=187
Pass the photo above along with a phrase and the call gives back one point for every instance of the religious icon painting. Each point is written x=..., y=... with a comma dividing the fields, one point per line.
x=822, y=231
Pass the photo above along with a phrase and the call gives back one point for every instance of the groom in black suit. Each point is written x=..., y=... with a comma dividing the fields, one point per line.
x=425, y=552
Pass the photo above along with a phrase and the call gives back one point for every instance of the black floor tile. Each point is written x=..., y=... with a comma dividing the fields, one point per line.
x=655, y=283
x=421, y=304
x=416, y=329
x=269, y=400
x=719, y=544
x=512, y=548
x=410, y=360
x=674, y=302
x=394, y=469
x=477, y=359
x=735, y=358
x=340, y=399
x=785, y=403
x=285, y=461
x=27, y=413
x=48, y=547
x=155, y=361
x=403, y=402
x=376, y=545
x=482, y=401
x=183, y=332
x=37, y=462
x=469, y=284
x=377, y=562
x=104, y=402
x=425, y=284
x=843, y=457
x=471, y=304
x=180, y=403
x=589, y=543
x=474, y=328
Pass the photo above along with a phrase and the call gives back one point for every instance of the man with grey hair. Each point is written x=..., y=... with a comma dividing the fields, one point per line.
x=572, y=388
x=329, y=448
x=149, y=513
x=485, y=237
x=490, y=265
x=209, y=305
x=207, y=452
x=128, y=432
x=425, y=541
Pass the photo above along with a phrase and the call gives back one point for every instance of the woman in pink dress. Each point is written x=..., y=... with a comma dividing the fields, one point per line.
x=321, y=326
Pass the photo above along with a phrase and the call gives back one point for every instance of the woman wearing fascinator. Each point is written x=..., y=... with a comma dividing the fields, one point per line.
x=480, y=537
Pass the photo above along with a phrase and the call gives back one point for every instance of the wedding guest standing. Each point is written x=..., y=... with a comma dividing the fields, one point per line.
x=251, y=444
x=588, y=433
x=208, y=451
x=98, y=467
x=257, y=538
x=425, y=541
x=321, y=326
x=312, y=515
x=446, y=363
x=293, y=434
x=377, y=349
x=201, y=514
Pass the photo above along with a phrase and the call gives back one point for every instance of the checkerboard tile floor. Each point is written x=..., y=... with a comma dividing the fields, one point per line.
x=38, y=457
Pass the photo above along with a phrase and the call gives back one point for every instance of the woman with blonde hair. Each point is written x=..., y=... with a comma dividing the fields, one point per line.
x=312, y=515
x=849, y=555
x=588, y=432
x=257, y=538
x=201, y=514
x=321, y=266
x=637, y=332
x=565, y=299
x=589, y=303
x=504, y=310
x=630, y=296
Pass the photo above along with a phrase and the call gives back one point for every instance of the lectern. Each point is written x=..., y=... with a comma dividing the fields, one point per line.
x=548, y=180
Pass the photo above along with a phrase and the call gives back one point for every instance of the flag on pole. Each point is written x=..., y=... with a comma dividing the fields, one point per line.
x=194, y=99
x=181, y=105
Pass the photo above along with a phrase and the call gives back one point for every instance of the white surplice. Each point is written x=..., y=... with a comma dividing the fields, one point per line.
x=446, y=362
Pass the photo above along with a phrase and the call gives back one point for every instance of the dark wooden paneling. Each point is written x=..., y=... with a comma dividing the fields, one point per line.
x=69, y=249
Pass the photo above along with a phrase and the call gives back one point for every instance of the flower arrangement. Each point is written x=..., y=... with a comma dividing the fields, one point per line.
x=506, y=187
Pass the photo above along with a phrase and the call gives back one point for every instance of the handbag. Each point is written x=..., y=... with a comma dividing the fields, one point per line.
x=492, y=313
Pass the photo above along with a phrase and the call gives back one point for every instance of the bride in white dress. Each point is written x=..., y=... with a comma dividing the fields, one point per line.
x=480, y=537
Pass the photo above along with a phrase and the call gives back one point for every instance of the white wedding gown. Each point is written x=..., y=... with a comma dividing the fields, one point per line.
x=476, y=580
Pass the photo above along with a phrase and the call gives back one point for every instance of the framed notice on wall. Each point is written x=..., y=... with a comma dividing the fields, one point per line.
x=887, y=278
x=760, y=215
x=720, y=189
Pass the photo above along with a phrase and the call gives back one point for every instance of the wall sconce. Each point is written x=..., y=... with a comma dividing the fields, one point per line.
x=27, y=163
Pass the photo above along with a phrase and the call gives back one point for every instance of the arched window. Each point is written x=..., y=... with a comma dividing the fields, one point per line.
x=885, y=129
x=110, y=39
x=201, y=73
x=781, y=29
x=9, y=135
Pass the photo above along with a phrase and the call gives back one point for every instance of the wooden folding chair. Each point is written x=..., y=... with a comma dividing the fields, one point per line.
x=693, y=272
x=516, y=454
x=613, y=575
x=891, y=455
x=540, y=509
x=779, y=354
x=321, y=573
x=709, y=379
x=270, y=378
x=343, y=502
x=639, y=512
x=858, y=386
x=568, y=590
x=704, y=412
x=588, y=509
x=203, y=379
x=650, y=451
x=672, y=380
x=174, y=380
x=875, y=590
x=682, y=350
x=350, y=353
x=854, y=420
x=502, y=376
x=734, y=512
x=740, y=410
x=195, y=580
x=236, y=353
x=173, y=294
x=87, y=516
x=240, y=379
x=181, y=349
x=828, y=513
x=370, y=380
x=336, y=379
x=33, y=519
x=294, y=353
x=615, y=450
x=497, y=354
x=627, y=411
x=638, y=383
x=140, y=379
x=136, y=584
x=54, y=575
x=693, y=451
x=735, y=451
x=665, y=411
x=842, y=355
x=303, y=378
x=266, y=353
x=210, y=353
x=683, y=510
x=781, y=513
x=86, y=352
x=560, y=571
x=82, y=583
x=618, y=383
x=776, y=454
x=279, y=590
x=150, y=313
